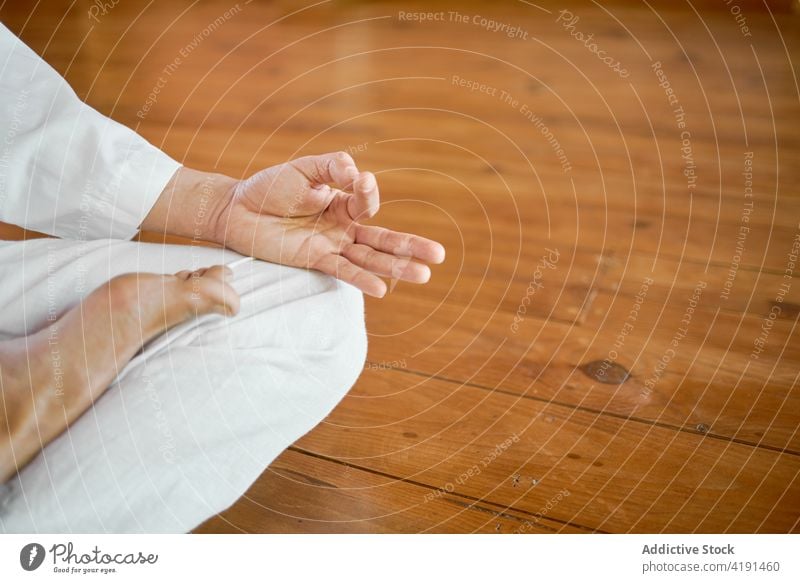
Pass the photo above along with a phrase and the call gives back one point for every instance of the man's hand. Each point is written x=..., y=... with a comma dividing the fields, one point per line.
x=304, y=213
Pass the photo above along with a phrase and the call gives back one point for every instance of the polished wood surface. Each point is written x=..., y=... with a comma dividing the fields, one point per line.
x=606, y=349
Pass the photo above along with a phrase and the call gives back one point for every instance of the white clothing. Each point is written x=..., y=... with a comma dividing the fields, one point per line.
x=193, y=420
x=65, y=169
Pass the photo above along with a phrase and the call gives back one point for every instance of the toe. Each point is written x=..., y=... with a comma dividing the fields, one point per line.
x=219, y=272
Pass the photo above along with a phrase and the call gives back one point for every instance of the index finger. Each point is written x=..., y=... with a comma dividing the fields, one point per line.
x=400, y=244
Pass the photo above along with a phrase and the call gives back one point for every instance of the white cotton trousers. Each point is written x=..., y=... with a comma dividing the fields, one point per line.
x=196, y=417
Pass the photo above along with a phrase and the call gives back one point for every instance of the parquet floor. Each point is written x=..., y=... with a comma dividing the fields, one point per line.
x=612, y=343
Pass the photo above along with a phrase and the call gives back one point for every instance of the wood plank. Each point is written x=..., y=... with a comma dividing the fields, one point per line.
x=304, y=494
x=625, y=476
x=741, y=290
x=547, y=360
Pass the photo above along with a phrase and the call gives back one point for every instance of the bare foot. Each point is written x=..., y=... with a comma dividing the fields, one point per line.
x=49, y=378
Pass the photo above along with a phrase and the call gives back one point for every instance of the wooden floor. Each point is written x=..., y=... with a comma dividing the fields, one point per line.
x=612, y=344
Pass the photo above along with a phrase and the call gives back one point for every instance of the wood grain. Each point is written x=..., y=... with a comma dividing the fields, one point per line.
x=303, y=493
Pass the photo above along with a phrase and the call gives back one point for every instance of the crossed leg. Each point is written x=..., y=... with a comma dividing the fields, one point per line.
x=193, y=419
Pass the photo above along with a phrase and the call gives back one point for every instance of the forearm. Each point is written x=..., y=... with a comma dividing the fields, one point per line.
x=191, y=205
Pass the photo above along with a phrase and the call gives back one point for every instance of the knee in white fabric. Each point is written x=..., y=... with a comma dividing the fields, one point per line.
x=305, y=327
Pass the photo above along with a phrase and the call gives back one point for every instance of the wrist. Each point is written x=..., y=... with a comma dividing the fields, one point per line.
x=192, y=205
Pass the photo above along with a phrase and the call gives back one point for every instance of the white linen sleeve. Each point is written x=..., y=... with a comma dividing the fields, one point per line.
x=65, y=169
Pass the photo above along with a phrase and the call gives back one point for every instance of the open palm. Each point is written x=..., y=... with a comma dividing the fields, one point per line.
x=306, y=213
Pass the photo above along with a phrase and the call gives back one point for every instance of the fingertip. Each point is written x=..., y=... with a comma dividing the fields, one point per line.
x=378, y=290
x=345, y=158
x=343, y=170
x=366, y=182
x=438, y=254
x=426, y=274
